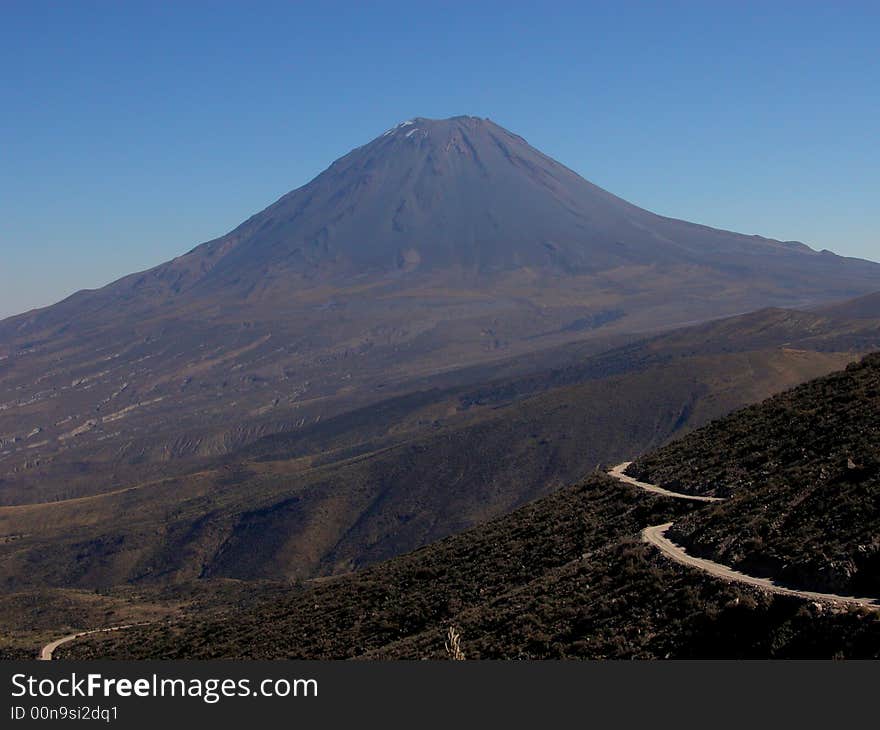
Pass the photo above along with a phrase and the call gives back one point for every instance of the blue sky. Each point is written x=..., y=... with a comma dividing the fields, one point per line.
x=130, y=132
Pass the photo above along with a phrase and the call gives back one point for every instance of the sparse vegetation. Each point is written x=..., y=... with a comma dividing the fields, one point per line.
x=803, y=472
x=564, y=577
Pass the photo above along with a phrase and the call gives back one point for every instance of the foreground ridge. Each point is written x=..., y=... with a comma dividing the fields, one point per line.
x=656, y=536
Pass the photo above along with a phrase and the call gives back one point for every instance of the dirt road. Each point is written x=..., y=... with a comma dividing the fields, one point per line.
x=47, y=651
x=618, y=473
x=656, y=536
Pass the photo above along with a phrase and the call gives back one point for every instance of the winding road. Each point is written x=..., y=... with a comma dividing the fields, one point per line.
x=656, y=536
x=618, y=473
x=47, y=652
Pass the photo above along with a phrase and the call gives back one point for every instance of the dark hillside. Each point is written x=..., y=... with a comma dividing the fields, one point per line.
x=563, y=577
x=803, y=470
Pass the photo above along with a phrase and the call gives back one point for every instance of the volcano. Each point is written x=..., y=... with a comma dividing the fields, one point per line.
x=439, y=245
x=468, y=204
x=466, y=198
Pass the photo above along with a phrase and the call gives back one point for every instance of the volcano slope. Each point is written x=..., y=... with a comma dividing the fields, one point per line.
x=440, y=244
x=368, y=485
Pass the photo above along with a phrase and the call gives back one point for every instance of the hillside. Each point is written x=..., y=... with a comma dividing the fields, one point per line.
x=803, y=473
x=567, y=576
x=373, y=483
x=564, y=577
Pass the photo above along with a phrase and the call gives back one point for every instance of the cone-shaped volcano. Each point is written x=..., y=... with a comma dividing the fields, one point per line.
x=462, y=202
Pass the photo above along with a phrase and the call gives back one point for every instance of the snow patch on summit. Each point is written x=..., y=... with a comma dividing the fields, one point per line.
x=407, y=123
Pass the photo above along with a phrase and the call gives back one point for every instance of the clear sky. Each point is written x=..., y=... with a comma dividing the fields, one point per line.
x=130, y=132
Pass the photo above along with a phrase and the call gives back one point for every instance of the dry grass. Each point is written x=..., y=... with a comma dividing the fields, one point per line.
x=453, y=645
